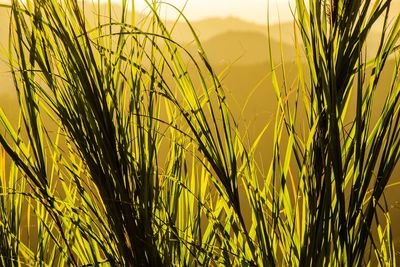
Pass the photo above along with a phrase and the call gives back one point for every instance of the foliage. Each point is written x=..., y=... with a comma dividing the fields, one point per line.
x=126, y=156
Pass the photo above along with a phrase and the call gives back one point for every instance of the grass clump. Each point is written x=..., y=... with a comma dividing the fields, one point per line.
x=125, y=157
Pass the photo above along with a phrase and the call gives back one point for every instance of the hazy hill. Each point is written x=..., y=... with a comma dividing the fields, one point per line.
x=209, y=28
x=283, y=32
x=4, y=22
x=244, y=48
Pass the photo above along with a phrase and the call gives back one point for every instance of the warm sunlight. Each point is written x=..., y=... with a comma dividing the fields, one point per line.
x=240, y=134
x=250, y=10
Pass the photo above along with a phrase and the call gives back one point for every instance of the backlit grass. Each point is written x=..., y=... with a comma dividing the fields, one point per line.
x=125, y=156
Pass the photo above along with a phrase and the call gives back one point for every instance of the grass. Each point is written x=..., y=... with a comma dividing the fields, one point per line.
x=123, y=156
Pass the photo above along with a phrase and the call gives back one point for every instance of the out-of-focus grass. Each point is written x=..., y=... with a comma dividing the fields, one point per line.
x=125, y=157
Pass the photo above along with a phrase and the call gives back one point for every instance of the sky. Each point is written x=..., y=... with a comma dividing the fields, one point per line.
x=250, y=10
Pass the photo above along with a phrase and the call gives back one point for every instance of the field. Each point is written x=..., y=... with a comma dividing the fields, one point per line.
x=136, y=143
